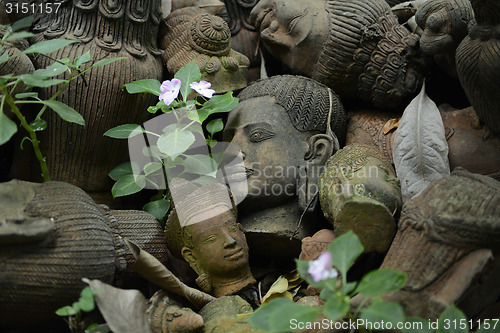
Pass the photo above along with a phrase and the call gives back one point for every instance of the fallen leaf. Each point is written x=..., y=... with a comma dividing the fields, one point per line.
x=155, y=272
x=123, y=310
x=391, y=124
x=420, y=148
x=283, y=286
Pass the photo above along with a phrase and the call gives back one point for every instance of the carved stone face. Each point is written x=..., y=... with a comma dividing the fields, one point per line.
x=292, y=30
x=359, y=191
x=372, y=180
x=219, y=246
x=272, y=149
x=375, y=180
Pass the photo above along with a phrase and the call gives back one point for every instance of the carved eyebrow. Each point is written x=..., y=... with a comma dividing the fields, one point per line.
x=248, y=128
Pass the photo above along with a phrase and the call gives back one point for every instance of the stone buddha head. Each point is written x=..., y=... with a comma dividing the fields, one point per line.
x=286, y=128
x=214, y=244
x=359, y=191
x=356, y=47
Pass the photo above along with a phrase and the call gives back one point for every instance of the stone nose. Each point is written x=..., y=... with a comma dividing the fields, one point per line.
x=229, y=241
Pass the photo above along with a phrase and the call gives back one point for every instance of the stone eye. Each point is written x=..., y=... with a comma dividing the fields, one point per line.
x=259, y=135
x=233, y=227
x=210, y=239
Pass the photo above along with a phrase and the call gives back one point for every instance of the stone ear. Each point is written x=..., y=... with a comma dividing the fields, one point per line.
x=320, y=149
x=187, y=254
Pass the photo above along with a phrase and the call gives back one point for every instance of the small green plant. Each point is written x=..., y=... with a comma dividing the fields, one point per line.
x=168, y=151
x=41, y=78
x=73, y=312
x=329, y=274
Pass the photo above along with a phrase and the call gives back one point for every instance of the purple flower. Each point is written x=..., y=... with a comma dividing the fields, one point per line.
x=321, y=268
x=170, y=90
x=203, y=88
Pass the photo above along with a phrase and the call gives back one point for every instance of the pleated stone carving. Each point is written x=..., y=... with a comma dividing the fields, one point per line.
x=108, y=29
x=443, y=243
x=51, y=236
x=355, y=47
x=478, y=62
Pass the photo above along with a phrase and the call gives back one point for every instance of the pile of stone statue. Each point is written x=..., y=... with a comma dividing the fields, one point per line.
x=372, y=116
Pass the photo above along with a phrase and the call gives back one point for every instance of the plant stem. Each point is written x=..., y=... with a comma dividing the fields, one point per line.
x=33, y=138
x=70, y=78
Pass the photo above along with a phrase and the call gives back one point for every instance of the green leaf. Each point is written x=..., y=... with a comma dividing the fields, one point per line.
x=217, y=104
x=39, y=81
x=3, y=58
x=385, y=311
x=200, y=164
x=348, y=287
x=27, y=95
x=151, y=151
x=379, y=281
x=127, y=185
x=7, y=128
x=121, y=170
x=66, y=112
x=151, y=86
x=84, y=58
x=336, y=307
x=19, y=35
x=158, y=208
x=282, y=315
x=107, y=61
x=188, y=74
x=86, y=301
x=124, y=131
x=65, y=311
x=215, y=126
x=38, y=125
x=22, y=23
x=53, y=70
x=175, y=143
x=76, y=307
x=416, y=325
x=345, y=250
x=152, y=167
x=48, y=46
x=452, y=320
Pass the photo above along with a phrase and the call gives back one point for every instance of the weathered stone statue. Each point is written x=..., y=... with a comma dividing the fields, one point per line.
x=52, y=235
x=447, y=245
x=286, y=127
x=214, y=244
x=444, y=25
x=357, y=48
x=244, y=37
x=108, y=29
x=359, y=191
x=478, y=62
x=193, y=34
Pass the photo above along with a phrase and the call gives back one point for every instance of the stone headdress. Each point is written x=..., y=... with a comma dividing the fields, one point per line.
x=355, y=156
x=196, y=204
x=308, y=103
x=368, y=54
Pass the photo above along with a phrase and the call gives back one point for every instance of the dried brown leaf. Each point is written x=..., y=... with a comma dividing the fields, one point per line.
x=123, y=310
x=155, y=272
x=391, y=124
